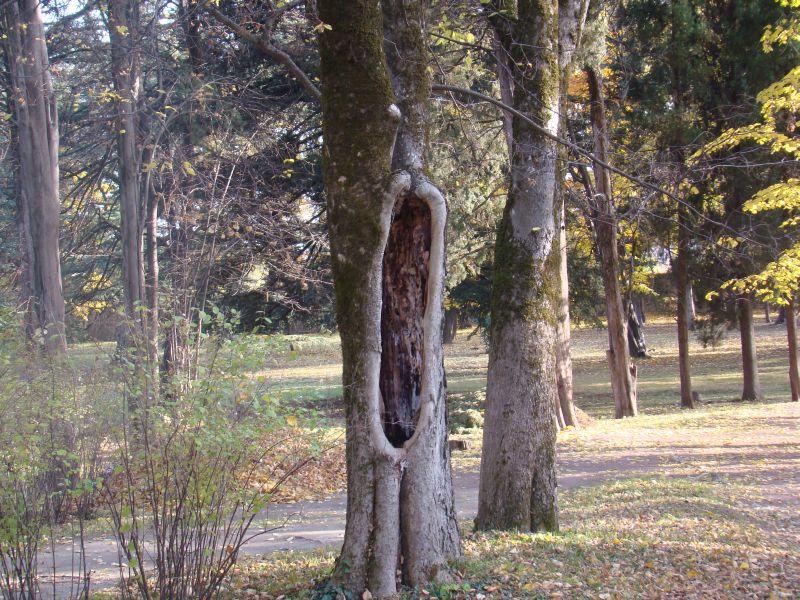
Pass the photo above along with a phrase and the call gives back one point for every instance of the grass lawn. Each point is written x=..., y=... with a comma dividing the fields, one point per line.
x=715, y=515
x=708, y=509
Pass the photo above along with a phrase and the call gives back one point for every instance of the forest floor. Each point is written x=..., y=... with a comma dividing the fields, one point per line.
x=671, y=504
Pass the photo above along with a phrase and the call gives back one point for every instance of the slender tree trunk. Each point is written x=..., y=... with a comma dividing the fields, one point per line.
x=571, y=17
x=623, y=374
x=518, y=477
x=450, y=325
x=123, y=29
x=37, y=175
x=151, y=276
x=504, y=79
x=791, y=333
x=690, y=308
x=751, y=388
x=767, y=315
x=566, y=405
x=637, y=347
x=386, y=224
x=682, y=292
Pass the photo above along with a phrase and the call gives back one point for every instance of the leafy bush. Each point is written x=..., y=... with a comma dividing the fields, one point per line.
x=189, y=479
x=50, y=440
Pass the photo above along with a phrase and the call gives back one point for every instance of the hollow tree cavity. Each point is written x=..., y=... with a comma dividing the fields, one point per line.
x=404, y=295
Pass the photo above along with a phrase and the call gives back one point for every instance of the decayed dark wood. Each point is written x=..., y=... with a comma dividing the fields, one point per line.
x=405, y=282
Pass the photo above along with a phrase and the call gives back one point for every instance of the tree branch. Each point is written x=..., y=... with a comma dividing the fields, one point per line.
x=438, y=87
x=267, y=48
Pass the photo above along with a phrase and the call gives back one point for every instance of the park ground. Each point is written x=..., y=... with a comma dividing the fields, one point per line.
x=674, y=503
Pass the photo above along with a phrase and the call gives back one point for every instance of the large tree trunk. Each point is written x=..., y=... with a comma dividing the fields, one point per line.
x=682, y=292
x=751, y=384
x=37, y=176
x=623, y=374
x=518, y=476
x=791, y=333
x=387, y=244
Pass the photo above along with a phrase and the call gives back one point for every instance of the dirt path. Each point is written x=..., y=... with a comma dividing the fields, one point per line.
x=756, y=445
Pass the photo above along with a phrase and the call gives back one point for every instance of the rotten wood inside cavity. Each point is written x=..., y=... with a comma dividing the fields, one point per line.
x=405, y=283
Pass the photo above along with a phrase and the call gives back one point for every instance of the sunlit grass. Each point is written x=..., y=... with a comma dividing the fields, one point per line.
x=647, y=537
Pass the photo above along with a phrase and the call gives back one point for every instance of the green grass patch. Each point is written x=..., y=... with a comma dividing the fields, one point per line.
x=636, y=538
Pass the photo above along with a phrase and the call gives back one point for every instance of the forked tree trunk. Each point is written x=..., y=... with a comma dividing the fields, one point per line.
x=791, y=333
x=751, y=384
x=37, y=176
x=386, y=223
x=682, y=292
x=623, y=374
x=518, y=477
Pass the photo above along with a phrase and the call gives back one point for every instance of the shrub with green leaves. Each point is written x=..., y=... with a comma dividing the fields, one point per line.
x=190, y=480
x=50, y=441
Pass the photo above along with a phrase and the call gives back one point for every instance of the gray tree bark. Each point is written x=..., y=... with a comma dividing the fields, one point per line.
x=37, y=174
x=751, y=383
x=604, y=217
x=386, y=223
x=518, y=478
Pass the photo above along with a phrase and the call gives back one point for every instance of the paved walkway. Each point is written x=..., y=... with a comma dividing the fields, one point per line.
x=313, y=524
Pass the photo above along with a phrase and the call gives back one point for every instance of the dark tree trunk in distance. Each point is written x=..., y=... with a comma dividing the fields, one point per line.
x=450, y=325
x=751, y=385
x=691, y=313
x=636, y=342
x=791, y=334
x=623, y=374
x=683, y=290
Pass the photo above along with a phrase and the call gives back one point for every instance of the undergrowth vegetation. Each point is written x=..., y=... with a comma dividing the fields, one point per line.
x=182, y=477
